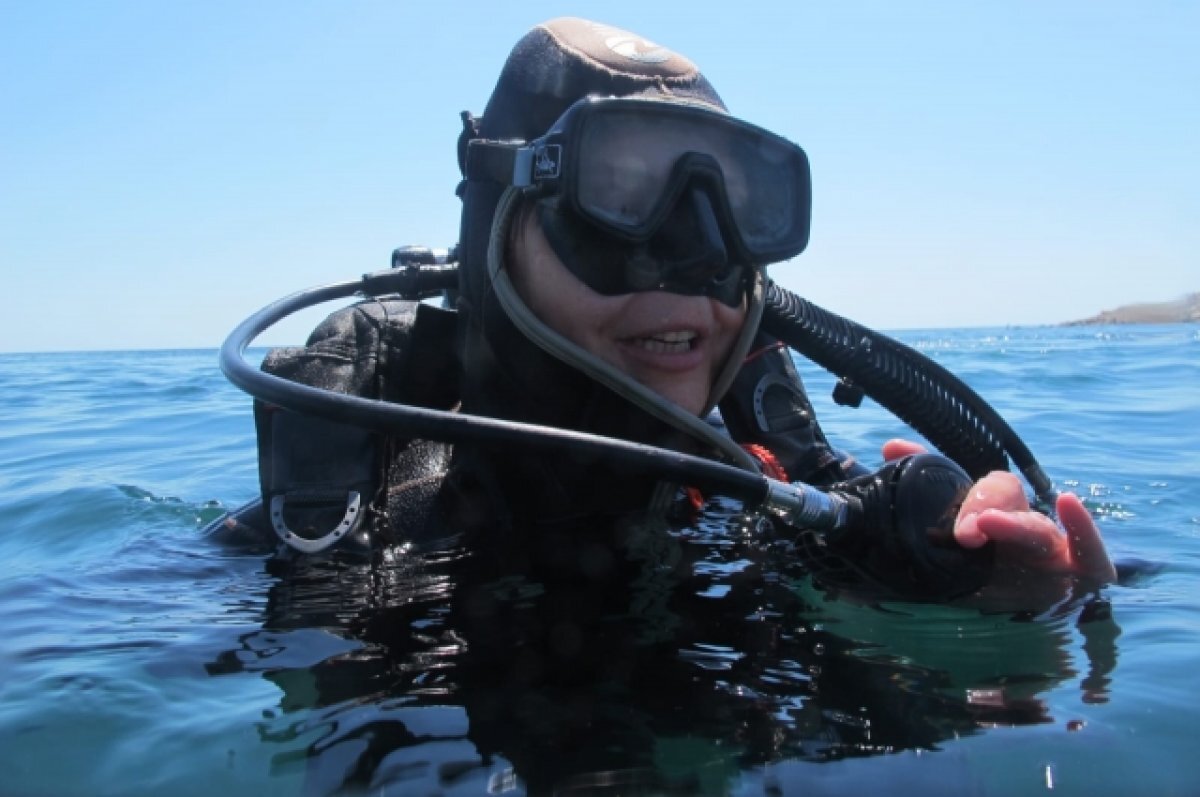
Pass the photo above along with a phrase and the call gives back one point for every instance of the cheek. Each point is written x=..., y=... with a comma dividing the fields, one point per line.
x=535, y=278
x=582, y=316
x=557, y=298
x=731, y=316
x=729, y=320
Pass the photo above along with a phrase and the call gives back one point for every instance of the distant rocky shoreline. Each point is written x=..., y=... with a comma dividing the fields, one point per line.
x=1183, y=310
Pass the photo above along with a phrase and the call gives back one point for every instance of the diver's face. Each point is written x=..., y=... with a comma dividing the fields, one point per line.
x=673, y=344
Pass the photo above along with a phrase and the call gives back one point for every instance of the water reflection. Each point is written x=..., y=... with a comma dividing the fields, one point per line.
x=629, y=659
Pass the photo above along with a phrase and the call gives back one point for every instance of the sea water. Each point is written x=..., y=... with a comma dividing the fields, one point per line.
x=139, y=655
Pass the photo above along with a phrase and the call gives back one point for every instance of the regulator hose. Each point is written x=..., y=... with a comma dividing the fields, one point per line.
x=915, y=388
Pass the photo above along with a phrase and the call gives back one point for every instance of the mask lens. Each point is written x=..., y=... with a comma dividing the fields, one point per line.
x=766, y=185
x=626, y=180
x=624, y=166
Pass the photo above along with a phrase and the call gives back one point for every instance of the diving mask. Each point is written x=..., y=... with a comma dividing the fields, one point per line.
x=624, y=164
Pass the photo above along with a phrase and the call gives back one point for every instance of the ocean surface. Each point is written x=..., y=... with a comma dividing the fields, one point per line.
x=139, y=655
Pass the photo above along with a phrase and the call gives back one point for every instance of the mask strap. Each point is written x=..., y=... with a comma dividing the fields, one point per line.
x=470, y=131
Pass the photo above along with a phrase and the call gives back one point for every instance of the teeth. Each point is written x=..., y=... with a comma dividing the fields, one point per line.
x=675, y=337
x=668, y=342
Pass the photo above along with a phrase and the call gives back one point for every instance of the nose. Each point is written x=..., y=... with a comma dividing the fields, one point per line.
x=689, y=245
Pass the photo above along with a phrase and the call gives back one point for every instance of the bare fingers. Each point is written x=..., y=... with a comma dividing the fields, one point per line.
x=1086, y=548
x=997, y=491
x=898, y=447
x=1029, y=539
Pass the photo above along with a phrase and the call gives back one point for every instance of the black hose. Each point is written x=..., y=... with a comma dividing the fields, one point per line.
x=918, y=390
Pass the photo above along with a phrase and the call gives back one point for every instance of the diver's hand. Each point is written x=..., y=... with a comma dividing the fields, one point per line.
x=997, y=510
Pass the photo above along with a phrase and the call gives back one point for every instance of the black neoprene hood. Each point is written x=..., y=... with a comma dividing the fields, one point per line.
x=566, y=59
x=504, y=374
x=549, y=69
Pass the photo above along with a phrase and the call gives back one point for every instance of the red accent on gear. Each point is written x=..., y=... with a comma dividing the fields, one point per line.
x=754, y=355
x=770, y=463
x=695, y=498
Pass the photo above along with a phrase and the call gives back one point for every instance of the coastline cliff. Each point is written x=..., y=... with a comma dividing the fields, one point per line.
x=1183, y=310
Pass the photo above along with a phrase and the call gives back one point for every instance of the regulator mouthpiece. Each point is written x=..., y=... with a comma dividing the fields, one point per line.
x=900, y=528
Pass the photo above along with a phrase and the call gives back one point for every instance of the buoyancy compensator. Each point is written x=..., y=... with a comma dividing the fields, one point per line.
x=324, y=480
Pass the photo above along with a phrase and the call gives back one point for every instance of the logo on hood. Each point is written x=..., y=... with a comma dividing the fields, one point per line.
x=640, y=50
x=631, y=46
x=618, y=49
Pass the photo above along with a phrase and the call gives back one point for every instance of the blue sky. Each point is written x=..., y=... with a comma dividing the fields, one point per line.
x=168, y=167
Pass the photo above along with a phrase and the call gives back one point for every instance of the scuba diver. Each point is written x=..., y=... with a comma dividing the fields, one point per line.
x=592, y=606
x=611, y=280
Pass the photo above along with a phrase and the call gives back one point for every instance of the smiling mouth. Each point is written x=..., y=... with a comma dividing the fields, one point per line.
x=667, y=342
